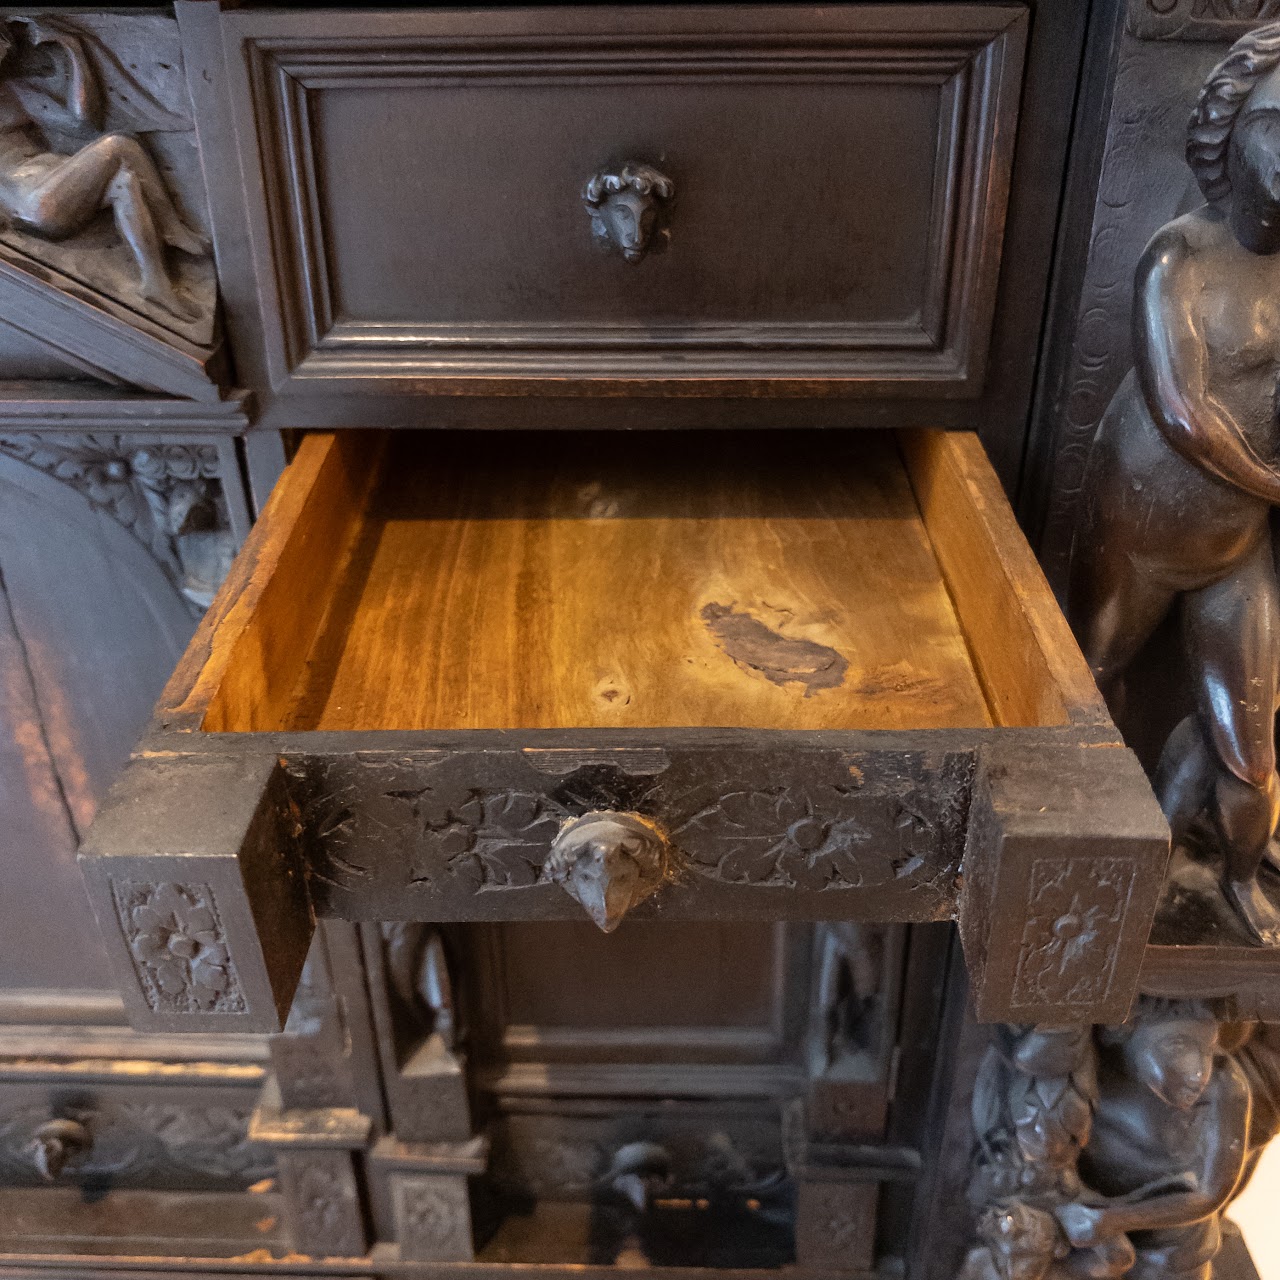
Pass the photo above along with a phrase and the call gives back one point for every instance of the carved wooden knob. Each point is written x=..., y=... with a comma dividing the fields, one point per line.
x=626, y=207
x=609, y=862
x=55, y=1143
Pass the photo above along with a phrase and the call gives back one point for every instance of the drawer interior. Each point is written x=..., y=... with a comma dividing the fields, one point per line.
x=419, y=581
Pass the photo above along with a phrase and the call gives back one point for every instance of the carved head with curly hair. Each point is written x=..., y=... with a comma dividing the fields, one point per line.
x=1233, y=138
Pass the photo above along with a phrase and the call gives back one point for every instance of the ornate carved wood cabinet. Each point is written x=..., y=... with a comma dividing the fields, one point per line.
x=619, y=790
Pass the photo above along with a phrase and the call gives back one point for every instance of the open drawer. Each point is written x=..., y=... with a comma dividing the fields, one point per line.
x=483, y=680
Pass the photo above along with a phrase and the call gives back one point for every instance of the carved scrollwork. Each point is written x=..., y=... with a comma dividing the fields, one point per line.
x=627, y=208
x=1069, y=940
x=179, y=949
x=1198, y=19
x=168, y=495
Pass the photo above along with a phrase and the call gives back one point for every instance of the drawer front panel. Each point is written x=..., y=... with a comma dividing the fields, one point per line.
x=836, y=182
x=787, y=833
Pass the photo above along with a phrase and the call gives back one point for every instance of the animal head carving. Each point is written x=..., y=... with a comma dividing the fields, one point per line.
x=609, y=862
x=625, y=207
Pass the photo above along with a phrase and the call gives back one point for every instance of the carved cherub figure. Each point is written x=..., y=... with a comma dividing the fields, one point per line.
x=1184, y=472
x=46, y=78
x=1168, y=1148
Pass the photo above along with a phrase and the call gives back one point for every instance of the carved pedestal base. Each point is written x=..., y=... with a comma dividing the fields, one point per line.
x=316, y=1153
x=430, y=1202
x=836, y=1221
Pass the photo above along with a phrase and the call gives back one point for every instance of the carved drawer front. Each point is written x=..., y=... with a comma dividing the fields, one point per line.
x=456, y=200
x=452, y=682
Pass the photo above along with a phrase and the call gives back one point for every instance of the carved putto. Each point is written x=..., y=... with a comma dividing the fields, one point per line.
x=1176, y=519
x=1114, y=1151
x=626, y=207
x=61, y=167
x=609, y=862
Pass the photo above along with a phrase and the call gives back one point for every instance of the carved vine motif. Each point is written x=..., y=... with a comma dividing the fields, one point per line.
x=191, y=1146
x=1060, y=1113
x=707, y=1163
x=179, y=949
x=1075, y=906
x=810, y=839
x=894, y=827
x=496, y=841
x=169, y=496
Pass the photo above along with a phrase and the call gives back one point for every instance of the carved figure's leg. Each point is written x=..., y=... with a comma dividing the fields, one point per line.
x=1232, y=632
x=1178, y=1253
x=1114, y=606
x=1185, y=777
x=114, y=172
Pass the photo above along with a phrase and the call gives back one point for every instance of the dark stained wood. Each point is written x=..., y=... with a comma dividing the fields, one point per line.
x=469, y=306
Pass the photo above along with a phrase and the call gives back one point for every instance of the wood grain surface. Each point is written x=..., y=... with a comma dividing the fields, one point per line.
x=530, y=583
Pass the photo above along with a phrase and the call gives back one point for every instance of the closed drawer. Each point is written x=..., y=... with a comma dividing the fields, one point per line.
x=493, y=680
x=808, y=199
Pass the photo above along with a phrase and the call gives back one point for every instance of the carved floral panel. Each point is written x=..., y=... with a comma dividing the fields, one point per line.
x=178, y=946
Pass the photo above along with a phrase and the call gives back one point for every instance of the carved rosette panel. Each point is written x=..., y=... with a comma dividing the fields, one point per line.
x=1072, y=931
x=323, y=1203
x=433, y=1218
x=169, y=495
x=189, y=1146
x=458, y=825
x=178, y=946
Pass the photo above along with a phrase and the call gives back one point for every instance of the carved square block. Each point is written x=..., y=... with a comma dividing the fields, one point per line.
x=203, y=908
x=433, y=1217
x=836, y=1224
x=1063, y=869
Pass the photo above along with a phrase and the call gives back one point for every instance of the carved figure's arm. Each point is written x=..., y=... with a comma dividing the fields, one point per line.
x=1171, y=363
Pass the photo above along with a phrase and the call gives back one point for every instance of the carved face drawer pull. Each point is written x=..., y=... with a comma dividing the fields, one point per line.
x=609, y=862
x=627, y=207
